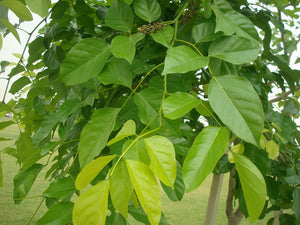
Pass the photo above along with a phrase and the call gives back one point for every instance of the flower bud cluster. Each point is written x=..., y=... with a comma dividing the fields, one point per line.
x=152, y=28
x=190, y=12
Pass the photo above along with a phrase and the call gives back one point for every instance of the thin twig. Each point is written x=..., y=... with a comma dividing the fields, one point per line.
x=284, y=95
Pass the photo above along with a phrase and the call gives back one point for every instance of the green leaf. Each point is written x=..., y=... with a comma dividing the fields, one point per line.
x=58, y=214
x=53, y=57
x=91, y=170
x=116, y=72
x=124, y=47
x=11, y=28
x=84, y=61
x=146, y=188
x=164, y=36
x=95, y=134
x=23, y=182
x=234, y=49
x=204, y=108
x=1, y=173
x=148, y=10
x=128, y=129
x=121, y=188
x=205, y=32
x=120, y=16
x=219, y=67
x=296, y=203
x=182, y=59
x=39, y=7
x=60, y=188
x=231, y=22
x=162, y=155
x=273, y=149
x=5, y=124
x=178, y=104
x=253, y=185
x=18, y=8
x=91, y=207
x=19, y=84
x=1, y=41
x=207, y=149
x=237, y=104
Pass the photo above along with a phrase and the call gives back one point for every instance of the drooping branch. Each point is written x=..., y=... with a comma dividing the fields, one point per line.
x=284, y=95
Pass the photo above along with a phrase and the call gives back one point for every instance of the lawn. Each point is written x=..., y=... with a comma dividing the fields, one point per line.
x=190, y=211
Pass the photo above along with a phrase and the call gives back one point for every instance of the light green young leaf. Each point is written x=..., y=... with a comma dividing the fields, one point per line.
x=128, y=129
x=19, y=84
x=146, y=188
x=95, y=134
x=234, y=49
x=207, y=149
x=178, y=104
x=162, y=155
x=124, y=47
x=239, y=148
x=11, y=28
x=18, y=8
x=205, y=32
x=60, y=188
x=39, y=7
x=119, y=16
x=273, y=149
x=164, y=36
x=91, y=170
x=121, y=188
x=204, y=108
x=148, y=10
x=116, y=72
x=84, y=61
x=253, y=185
x=91, y=207
x=182, y=59
x=237, y=104
x=58, y=214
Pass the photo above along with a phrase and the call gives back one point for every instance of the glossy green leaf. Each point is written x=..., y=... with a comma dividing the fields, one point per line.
x=207, y=149
x=5, y=124
x=124, y=47
x=164, y=36
x=148, y=10
x=205, y=32
x=39, y=7
x=162, y=155
x=11, y=28
x=253, y=185
x=237, y=104
x=116, y=72
x=23, y=182
x=231, y=22
x=91, y=170
x=121, y=188
x=18, y=8
x=182, y=59
x=120, y=16
x=128, y=129
x=60, y=188
x=91, y=207
x=84, y=61
x=96, y=133
x=146, y=188
x=234, y=49
x=178, y=104
x=19, y=84
x=58, y=214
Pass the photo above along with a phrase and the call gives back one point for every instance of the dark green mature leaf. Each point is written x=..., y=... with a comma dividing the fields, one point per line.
x=231, y=22
x=91, y=206
x=237, y=104
x=178, y=104
x=23, y=182
x=146, y=188
x=139, y=215
x=219, y=67
x=253, y=185
x=96, y=133
x=5, y=124
x=59, y=9
x=19, y=84
x=148, y=10
x=207, y=149
x=119, y=16
x=58, y=214
x=116, y=72
x=36, y=48
x=39, y=7
x=182, y=59
x=115, y=219
x=205, y=32
x=18, y=8
x=121, y=188
x=53, y=57
x=91, y=170
x=124, y=47
x=164, y=36
x=234, y=49
x=60, y=188
x=296, y=203
x=84, y=61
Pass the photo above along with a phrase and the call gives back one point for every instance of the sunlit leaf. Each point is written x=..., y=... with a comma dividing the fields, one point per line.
x=273, y=149
x=11, y=28
x=39, y=7
x=18, y=8
x=148, y=10
x=128, y=129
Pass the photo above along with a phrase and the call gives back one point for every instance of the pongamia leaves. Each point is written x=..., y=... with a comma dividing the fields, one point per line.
x=148, y=10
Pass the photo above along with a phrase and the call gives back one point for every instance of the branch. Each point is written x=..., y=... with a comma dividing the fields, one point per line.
x=284, y=95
